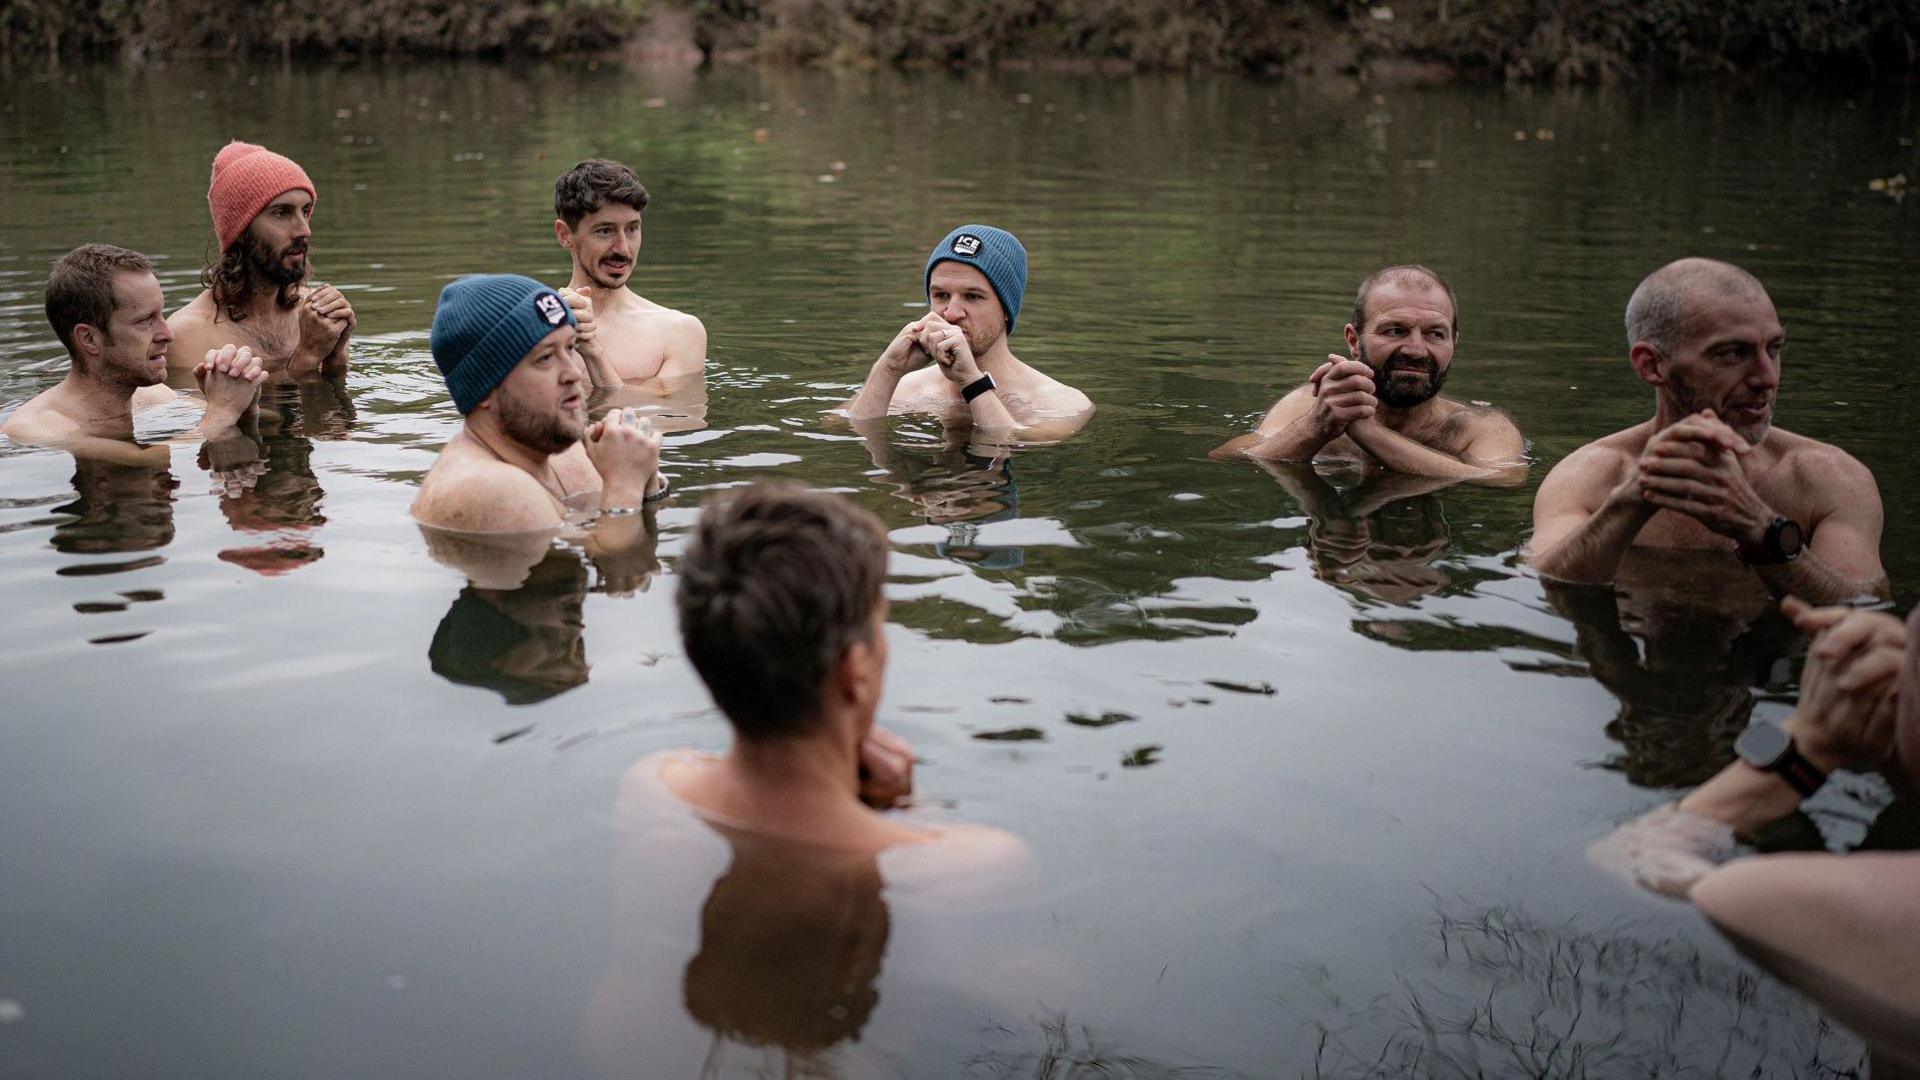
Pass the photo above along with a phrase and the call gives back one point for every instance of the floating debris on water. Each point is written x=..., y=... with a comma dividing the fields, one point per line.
x=1105, y=719
x=1263, y=688
x=1019, y=734
x=1142, y=757
x=11, y=1011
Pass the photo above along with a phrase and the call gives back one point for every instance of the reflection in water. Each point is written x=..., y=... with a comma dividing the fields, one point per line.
x=117, y=508
x=266, y=478
x=791, y=941
x=1379, y=538
x=1513, y=995
x=960, y=487
x=1685, y=672
x=522, y=643
x=672, y=405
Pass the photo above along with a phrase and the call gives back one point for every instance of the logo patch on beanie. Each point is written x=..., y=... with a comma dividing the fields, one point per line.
x=551, y=308
x=966, y=244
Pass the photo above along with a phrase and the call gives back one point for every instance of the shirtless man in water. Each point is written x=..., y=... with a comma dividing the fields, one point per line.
x=624, y=337
x=106, y=308
x=257, y=294
x=1381, y=404
x=954, y=361
x=526, y=456
x=1709, y=473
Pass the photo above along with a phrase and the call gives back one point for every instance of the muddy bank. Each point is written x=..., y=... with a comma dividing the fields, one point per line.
x=1397, y=40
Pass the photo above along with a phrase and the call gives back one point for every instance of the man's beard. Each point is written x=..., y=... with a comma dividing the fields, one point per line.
x=543, y=432
x=1690, y=401
x=1403, y=396
x=593, y=275
x=263, y=264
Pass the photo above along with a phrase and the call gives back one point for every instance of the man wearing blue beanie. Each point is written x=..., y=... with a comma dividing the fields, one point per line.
x=954, y=361
x=526, y=460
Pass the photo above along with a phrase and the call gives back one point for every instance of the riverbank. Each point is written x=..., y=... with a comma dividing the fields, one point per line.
x=1398, y=40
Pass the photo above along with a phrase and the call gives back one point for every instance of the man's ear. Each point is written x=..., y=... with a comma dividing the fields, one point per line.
x=88, y=341
x=1353, y=343
x=1649, y=363
x=562, y=233
x=859, y=674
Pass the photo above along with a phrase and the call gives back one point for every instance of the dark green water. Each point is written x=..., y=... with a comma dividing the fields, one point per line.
x=280, y=795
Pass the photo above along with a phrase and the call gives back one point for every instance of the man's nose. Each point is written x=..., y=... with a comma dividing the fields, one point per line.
x=1413, y=347
x=1764, y=373
x=574, y=369
x=302, y=228
x=164, y=335
x=950, y=311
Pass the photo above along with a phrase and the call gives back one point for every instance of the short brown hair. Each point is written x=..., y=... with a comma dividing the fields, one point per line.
x=1405, y=274
x=80, y=289
x=593, y=184
x=778, y=582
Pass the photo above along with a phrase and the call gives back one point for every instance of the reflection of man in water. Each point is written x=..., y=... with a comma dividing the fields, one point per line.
x=1381, y=403
x=257, y=293
x=954, y=361
x=106, y=308
x=1709, y=473
x=958, y=490
x=1685, y=672
x=624, y=337
x=1380, y=538
x=523, y=643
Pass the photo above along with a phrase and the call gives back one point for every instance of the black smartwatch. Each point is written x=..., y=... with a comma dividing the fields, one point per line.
x=1782, y=543
x=977, y=387
x=1766, y=746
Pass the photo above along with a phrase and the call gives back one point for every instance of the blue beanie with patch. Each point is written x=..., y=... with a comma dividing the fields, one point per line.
x=993, y=252
x=487, y=323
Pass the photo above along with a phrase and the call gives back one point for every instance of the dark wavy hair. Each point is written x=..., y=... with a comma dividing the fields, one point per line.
x=593, y=184
x=778, y=582
x=239, y=274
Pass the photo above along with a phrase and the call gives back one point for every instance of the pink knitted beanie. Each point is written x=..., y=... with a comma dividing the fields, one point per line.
x=246, y=178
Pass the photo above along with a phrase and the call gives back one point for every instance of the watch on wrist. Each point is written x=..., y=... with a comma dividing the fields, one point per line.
x=1766, y=746
x=1781, y=543
x=977, y=387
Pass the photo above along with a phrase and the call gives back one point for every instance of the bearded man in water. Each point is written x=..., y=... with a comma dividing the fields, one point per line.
x=257, y=294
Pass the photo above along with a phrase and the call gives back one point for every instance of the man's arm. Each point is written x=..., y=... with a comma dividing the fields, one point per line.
x=1303, y=422
x=1493, y=452
x=586, y=341
x=1841, y=560
x=686, y=348
x=1585, y=517
x=501, y=499
x=902, y=355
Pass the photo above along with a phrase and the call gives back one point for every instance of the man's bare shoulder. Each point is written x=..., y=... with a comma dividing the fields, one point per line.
x=1812, y=460
x=1592, y=470
x=36, y=422
x=1475, y=418
x=470, y=492
x=196, y=328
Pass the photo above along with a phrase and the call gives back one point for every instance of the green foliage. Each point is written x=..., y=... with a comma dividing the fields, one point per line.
x=413, y=26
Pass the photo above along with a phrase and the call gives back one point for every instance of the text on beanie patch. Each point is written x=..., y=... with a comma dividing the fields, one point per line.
x=551, y=308
x=966, y=244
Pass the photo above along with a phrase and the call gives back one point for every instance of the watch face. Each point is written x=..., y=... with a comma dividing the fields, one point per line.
x=1787, y=538
x=1762, y=744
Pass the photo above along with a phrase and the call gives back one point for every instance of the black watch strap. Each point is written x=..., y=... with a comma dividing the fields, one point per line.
x=1800, y=774
x=977, y=387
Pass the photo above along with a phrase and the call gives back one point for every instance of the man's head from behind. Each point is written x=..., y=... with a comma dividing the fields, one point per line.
x=781, y=608
x=504, y=343
x=1705, y=335
x=597, y=206
x=106, y=307
x=1406, y=322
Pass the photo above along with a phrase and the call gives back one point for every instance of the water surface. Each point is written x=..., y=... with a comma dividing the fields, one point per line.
x=1308, y=761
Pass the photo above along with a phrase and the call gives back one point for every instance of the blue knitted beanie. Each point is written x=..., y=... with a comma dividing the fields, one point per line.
x=486, y=324
x=993, y=252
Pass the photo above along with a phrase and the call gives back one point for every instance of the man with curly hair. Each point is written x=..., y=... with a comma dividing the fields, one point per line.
x=257, y=292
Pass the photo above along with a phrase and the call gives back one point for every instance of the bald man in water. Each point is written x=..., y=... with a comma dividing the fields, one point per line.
x=1381, y=403
x=1709, y=472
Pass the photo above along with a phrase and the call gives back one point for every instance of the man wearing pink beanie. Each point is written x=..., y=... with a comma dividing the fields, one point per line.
x=257, y=293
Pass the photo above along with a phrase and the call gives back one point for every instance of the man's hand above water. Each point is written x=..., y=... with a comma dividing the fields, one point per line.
x=886, y=769
x=625, y=450
x=1696, y=467
x=1343, y=392
x=230, y=378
